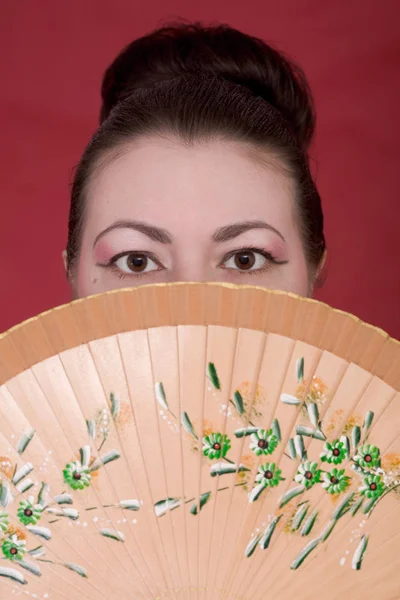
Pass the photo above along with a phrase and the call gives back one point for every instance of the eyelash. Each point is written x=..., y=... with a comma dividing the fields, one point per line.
x=267, y=255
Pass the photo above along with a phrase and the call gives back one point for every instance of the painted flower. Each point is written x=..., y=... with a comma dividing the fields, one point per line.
x=28, y=512
x=368, y=456
x=13, y=548
x=216, y=445
x=76, y=475
x=334, y=452
x=335, y=481
x=308, y=474
x=263, y=442
x=372, y=487
x=3, y=520
x=268, y=475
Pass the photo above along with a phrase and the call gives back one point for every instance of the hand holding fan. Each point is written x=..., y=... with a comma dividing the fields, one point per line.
x=202, y=442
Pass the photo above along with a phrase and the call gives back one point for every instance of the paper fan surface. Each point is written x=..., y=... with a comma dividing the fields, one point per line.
x=199, y=442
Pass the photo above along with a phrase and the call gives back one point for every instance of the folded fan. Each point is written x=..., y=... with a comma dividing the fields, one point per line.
x=199, y=442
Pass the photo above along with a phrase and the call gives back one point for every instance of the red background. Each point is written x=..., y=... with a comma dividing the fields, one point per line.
x=52, y=58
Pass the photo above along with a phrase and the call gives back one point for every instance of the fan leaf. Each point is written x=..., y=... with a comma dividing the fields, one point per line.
x=289, y=399
x=304, y=553
x=5, y=494
x=251, y=546
x=299, y=516
x=25, y=439
x=160, y=395
x=43, y=495
x=212, y=375
x=105, y=459
x=78, y=569
x=343, y=507
x=309, y=523
x=24, y=486
x=300, y=450
x=63, y=499
x=187, y=424
x=356, y=507
x=130, y=504
x=276, y=430
x=291, y=448
x=266, y=537
x=85, y=454
x=256, y=492
x=113, y=534
x=309, y=432
x=225, y=469
x=290, y=494
x=115, y=405
x=239, y=433
x=238, y=402
x=91, y=427
x=369, y=417
x=327, y=531
x=22, y=473
x=356, y=436
x=42, y=532
x=359, y=553
x=313, y=413
x=31, y=567
x=12, y=574
x=163, y=506
x=346, y=442
x=204, y=498
x=300, y=369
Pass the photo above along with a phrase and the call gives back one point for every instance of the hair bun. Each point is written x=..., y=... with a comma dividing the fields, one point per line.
x=184, y=49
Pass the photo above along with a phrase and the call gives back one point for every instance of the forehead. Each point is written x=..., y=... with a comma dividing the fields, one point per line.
x=166, y=181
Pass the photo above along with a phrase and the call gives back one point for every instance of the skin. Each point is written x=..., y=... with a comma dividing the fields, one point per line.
x=194, y=195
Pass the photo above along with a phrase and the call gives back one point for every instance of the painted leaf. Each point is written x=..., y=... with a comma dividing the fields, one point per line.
x=91, y=427
x=42, y=532
x=309, y=523
x=73, y=567
x=300, y=450
x=22, y=473
x=160, y=395
x=115, y=405
x=343, y=507
x=31, y=567
x=300, y=369
x=327, y=531
x=369, y=417
x=309, y=432
x=291, y=448
x=85, y=454
x=43, y=494
x=290, y=494
x=25, y=485
x=369, y=505
x=239, y=433
x=313, y=413
x=130, y=504
x=63, y=499
x=225, y=469
x=276, y=430
x=103, y=460
x=114, y=534
x=204, y=498
x=299, y=516
x=346, y=442
x=212, y=375
x=304, y=553
x=356, y=436
x=5, y=494
x=256, y=492
x=356, y=507
x=71, y=513
x=251, y=546
x=38, y=551
x=238, y=402
x=359, y=553
x=161, y=507
x=187, y=424
x=266, y=538
x=288, y=399
x=12, y=574
x=24, y=441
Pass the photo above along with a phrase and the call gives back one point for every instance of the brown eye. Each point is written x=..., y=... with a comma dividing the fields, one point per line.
x=136, y=262
x=245, y=260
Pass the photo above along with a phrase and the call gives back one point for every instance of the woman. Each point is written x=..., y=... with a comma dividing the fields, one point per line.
x=199, y=170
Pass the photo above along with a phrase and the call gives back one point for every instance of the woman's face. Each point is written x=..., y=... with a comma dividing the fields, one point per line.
x=164, y=212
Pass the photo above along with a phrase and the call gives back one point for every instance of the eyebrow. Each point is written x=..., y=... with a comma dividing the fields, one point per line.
x=157, y=234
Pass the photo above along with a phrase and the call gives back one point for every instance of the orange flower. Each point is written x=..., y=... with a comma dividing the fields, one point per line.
x=12, y=530
x=391, y=462
x=317, y=391
x=6, y=466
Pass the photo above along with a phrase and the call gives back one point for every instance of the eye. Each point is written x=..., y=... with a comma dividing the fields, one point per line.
x=248, y=260
x=135, y=262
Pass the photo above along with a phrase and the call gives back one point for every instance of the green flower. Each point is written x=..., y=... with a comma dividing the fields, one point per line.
x=335, y=481
x=3, y=520
x=368, y=456
x=372, y=487
x=268, y=475
x=28, y=512
x=334, y=452
x=76, y=475
x=13, y=548
x=263, y=442
x=308, y=474
x=216, y=445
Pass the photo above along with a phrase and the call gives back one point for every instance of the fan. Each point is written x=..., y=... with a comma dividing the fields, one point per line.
x=199, y=441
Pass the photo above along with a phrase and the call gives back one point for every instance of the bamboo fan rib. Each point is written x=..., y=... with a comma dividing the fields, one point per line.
x=199, y=442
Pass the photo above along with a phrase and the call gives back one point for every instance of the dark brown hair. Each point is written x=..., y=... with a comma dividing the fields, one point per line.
x=202, y=82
